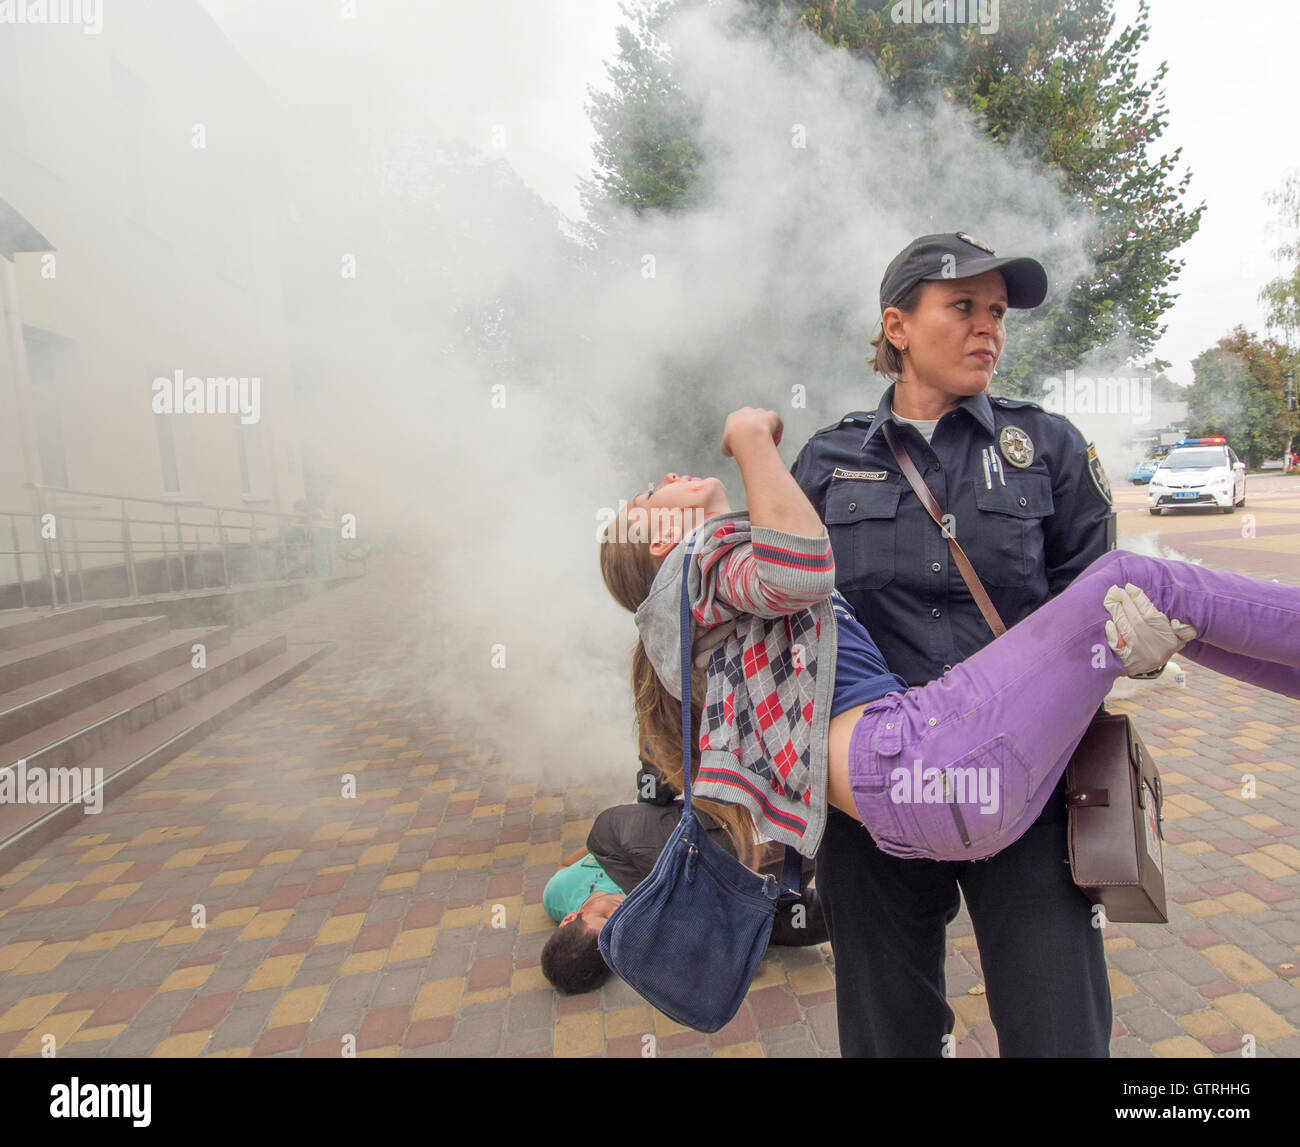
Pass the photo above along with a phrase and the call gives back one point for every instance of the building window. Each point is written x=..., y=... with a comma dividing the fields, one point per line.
x=162, y=424
x=252, y=460
x=46, y=354
x=13, y=124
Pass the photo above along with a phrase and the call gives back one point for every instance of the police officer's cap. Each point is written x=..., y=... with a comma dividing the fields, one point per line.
x=960, y=256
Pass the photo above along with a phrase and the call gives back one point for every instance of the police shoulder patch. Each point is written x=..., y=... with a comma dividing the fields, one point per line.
x=1098, y=475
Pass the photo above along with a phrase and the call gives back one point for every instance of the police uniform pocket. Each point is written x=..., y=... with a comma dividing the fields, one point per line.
x=1007, y=548
x=860, y=519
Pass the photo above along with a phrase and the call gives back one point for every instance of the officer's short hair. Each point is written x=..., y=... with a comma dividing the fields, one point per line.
x=888, y=360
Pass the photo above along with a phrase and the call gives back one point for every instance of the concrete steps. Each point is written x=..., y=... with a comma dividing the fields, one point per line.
x=40, y=659
x=89, y=707
x=43, y=701
x=18, y=626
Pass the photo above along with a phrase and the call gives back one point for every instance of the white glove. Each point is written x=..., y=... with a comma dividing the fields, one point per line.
x=1150, y=639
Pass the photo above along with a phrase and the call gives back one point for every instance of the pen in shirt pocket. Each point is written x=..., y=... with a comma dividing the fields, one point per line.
x=997, y=465
x=984, y=456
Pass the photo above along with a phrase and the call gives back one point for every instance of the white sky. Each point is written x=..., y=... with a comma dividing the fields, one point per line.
x=1228, y=92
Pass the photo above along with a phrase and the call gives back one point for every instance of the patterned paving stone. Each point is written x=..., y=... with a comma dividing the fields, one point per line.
x=334, y=921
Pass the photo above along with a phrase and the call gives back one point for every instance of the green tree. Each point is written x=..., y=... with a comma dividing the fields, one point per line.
x=1165, y=389
x=1238, y=390
x=1046, y=83
x=646, y=156
x=1282, y=295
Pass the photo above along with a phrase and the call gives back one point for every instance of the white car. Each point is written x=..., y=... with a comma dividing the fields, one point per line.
x=1198, y=472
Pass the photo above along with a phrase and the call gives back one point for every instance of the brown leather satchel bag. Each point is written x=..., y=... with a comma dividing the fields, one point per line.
x=1114, y=797
x=1113, y=792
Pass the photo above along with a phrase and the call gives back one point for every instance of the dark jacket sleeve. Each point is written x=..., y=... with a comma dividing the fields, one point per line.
x=1082, y=527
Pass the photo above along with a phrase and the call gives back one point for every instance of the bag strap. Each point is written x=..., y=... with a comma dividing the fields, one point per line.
x=792, y=869
x=686, y=674
x=968, y=574
x=928, y=500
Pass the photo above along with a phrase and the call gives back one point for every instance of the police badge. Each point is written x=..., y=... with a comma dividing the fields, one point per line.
x=1098, y=475
x=1016, y=446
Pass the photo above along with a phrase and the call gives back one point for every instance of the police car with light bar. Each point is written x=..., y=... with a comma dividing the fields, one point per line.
x=1198, y=472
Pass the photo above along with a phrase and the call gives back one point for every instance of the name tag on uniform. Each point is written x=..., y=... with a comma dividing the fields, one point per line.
x=866, y=475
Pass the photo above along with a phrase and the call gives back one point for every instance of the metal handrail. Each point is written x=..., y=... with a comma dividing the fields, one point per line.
x=177, y=502
x=124, y=544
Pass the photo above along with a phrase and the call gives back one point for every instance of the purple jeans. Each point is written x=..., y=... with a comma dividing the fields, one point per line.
x=977, y=753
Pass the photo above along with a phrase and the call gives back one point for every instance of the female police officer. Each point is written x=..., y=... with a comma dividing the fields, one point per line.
x=1026, y=498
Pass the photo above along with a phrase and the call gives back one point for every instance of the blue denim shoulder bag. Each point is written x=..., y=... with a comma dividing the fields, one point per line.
x=689, y=938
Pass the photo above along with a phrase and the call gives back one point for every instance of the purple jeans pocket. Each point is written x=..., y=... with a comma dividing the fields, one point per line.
x=927, y=793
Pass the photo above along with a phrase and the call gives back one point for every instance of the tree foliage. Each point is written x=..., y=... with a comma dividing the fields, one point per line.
x=646, y=155
x=1282, y=295
x=1047, y=83
x=1238, y=391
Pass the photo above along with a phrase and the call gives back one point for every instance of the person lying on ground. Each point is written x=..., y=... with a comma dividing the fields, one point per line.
x=621, y=849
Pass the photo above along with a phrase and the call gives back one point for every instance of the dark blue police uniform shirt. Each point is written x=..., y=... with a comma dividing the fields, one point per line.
x=1028, y=530
x=861, y=675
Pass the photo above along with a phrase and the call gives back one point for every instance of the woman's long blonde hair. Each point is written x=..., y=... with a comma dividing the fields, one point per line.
x=629, y=570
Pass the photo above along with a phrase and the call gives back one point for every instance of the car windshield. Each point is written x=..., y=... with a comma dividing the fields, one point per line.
x=1206, y=456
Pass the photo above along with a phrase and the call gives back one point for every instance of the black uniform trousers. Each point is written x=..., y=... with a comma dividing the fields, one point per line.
x=1043, y=961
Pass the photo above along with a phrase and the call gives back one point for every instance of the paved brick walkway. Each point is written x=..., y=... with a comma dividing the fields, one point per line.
x=374, y=922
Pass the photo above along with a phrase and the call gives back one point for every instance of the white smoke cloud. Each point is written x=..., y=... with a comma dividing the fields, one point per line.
x=612, y=376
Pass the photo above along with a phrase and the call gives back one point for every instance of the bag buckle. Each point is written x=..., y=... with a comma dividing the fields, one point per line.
x=1088, y=798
